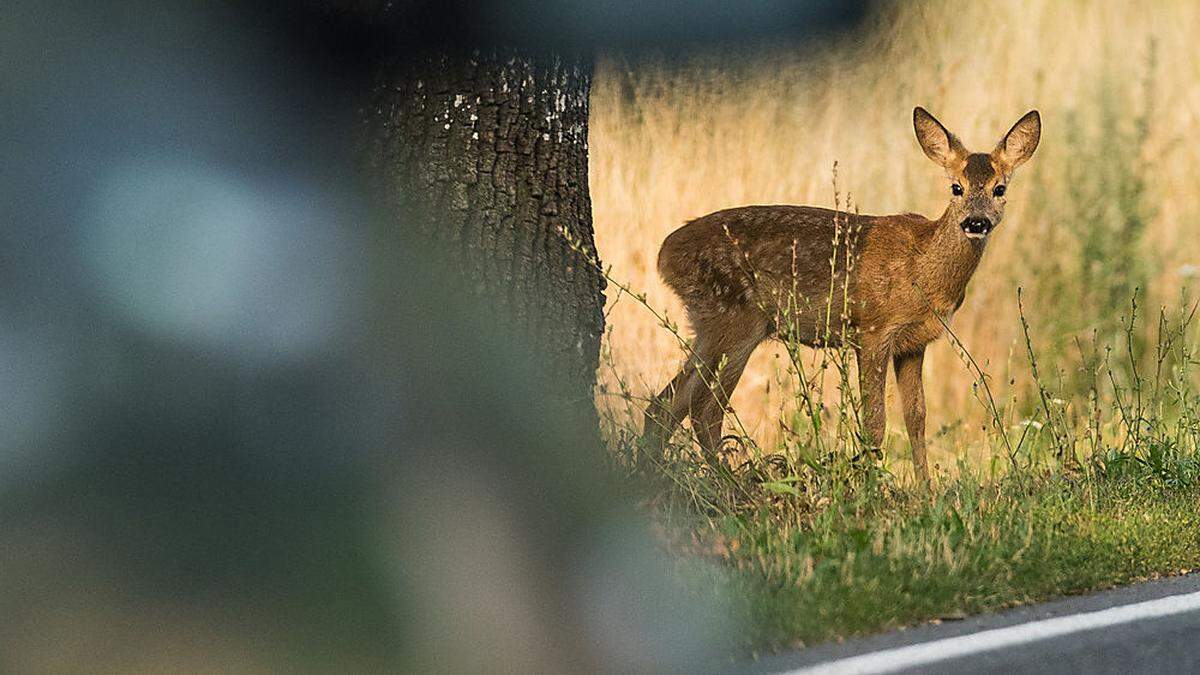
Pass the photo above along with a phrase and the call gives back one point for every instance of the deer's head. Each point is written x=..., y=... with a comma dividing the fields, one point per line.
x=978, y=180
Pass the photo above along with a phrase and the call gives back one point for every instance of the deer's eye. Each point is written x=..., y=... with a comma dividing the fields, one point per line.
x=998, y=191
x=956, y=190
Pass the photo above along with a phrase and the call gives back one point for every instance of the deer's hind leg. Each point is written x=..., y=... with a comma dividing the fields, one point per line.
x=725, y=361
x=664, y=415
x=702, y=388
x=668, y=409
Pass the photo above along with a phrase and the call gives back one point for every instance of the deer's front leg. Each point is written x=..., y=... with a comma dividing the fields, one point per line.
x=872, y=378
x=912, y=397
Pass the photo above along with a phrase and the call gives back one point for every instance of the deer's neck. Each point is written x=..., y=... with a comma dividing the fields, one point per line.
x=946, y=265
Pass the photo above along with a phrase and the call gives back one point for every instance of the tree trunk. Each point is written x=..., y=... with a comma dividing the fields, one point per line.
x=485, y=158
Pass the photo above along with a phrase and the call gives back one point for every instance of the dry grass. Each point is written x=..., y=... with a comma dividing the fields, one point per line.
x=673, y=142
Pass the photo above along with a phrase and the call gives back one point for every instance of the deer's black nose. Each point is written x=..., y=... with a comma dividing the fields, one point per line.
x=977, y=227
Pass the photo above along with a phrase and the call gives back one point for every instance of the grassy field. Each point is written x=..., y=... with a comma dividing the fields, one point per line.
x=1106, y=206
x=873, y=566
x=819, y=540
x=1064, y=419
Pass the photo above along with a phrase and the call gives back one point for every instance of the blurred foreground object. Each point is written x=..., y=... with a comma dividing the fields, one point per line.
x=260, y=416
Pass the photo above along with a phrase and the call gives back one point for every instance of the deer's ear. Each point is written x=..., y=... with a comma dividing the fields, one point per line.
x=939, y=144
x=1020, y=141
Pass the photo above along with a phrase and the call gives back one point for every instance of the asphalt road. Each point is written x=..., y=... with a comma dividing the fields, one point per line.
x=1151, y=627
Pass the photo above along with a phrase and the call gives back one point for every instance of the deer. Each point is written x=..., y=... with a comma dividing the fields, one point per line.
x=886, y=286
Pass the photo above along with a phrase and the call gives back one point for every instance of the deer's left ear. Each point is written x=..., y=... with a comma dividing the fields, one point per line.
x=1019, y=143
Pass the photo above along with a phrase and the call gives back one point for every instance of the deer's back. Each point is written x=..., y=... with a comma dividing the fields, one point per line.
x=764, y=258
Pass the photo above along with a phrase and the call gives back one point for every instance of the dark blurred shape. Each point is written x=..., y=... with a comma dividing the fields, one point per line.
x=249, y=421
x=662, y=24
x=361, y=27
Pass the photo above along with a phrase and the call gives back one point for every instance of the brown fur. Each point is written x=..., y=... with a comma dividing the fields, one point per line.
x=749, y=273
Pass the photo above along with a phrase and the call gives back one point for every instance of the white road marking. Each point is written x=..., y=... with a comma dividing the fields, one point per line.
x=925, y=653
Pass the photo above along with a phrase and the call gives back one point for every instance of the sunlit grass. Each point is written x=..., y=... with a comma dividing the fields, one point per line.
x=1105, y=206
x=871, y=566
x=1081, y=484
x=1064, y=421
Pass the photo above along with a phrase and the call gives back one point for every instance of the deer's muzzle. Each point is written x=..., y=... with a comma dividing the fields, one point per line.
x=977, y=228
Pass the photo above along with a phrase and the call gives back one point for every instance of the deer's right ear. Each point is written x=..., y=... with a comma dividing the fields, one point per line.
x=939, y=144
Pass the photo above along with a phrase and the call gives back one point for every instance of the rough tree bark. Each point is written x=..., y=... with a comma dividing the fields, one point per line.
x=486, y=156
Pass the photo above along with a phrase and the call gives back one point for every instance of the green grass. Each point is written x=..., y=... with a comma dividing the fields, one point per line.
x=872, y=566
x=1085, y=475
x=1090, y=485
